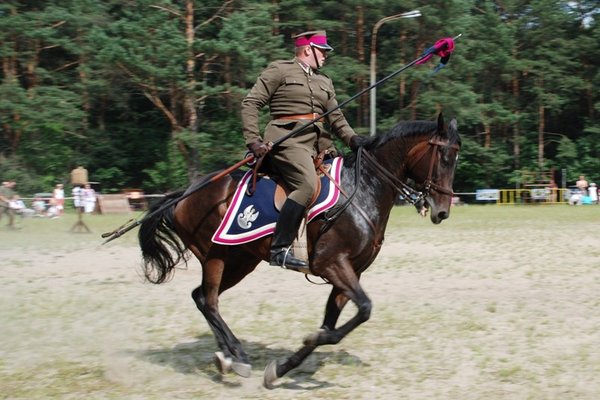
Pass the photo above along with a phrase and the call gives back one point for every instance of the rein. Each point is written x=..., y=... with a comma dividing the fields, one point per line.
x=412, y=196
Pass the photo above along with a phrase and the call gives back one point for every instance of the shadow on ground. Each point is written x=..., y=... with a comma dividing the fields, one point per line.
x=197, y=357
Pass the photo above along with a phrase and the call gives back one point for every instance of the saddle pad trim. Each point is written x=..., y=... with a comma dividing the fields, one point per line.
x=221, y=235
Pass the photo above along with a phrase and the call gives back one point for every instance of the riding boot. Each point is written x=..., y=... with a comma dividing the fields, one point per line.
x=286, y=229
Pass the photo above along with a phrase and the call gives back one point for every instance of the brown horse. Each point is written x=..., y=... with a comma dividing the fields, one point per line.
x=423, y=151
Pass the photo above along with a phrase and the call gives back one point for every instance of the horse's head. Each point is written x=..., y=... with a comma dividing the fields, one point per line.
x=431, y=164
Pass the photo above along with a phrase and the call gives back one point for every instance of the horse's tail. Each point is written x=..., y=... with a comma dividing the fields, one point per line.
x=161, y=248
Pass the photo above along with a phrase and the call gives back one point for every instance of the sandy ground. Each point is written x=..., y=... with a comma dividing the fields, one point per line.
x=472, y=317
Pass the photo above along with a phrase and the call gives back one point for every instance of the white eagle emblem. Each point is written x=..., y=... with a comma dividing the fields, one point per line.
x=246, y=218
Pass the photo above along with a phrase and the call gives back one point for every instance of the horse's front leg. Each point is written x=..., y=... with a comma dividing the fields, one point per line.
x=215, y=279
x=346, y=286
x=335, y=304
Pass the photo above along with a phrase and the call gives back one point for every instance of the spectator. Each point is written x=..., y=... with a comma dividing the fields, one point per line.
x=58, y=194
x=582, y=185
x=77, y=194
x=89, y=199
x=52, y=211
x=6, y=195
x=552, y=191
x=39, y=207
x=19, y=206
x=593, y=193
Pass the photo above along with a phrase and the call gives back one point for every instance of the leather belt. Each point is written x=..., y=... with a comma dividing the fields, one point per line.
x=310, y=116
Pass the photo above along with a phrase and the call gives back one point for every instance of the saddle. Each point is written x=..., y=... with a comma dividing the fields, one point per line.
x=281, y=189
x=300, y=244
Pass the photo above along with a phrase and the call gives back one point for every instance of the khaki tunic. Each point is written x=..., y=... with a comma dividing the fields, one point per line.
x=289, y=90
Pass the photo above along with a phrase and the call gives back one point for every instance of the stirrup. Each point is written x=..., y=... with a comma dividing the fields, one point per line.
x=284, y=257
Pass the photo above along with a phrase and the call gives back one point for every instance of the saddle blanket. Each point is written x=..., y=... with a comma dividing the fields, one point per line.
x=252, y=217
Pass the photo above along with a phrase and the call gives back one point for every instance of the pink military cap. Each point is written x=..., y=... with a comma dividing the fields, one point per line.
x=317, y=39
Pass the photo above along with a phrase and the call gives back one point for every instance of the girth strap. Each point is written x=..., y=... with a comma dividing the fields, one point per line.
x=342, y=191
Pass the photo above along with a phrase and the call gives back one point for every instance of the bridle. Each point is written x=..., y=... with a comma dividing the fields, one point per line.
x=429, y=185
x=412, y=195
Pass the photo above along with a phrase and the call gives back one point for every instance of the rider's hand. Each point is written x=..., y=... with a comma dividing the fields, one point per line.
x=259, y=149
x=359, y=141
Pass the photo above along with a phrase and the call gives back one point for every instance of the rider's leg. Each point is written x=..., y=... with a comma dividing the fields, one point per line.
x=296, y=166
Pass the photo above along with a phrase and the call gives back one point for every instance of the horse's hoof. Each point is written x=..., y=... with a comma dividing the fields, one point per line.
x=270, y=374
x=313, y=338
x=242, y=369
x=222, y=363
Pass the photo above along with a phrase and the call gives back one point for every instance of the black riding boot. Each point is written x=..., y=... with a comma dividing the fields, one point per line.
x=286, y=229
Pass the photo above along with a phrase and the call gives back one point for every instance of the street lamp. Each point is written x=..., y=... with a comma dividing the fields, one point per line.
x=373, y=94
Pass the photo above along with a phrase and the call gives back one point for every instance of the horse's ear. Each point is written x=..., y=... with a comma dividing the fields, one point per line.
x=441, y=129
x=453, y=125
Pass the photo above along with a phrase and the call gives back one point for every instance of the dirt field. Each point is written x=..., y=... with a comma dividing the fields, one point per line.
x=495, y=303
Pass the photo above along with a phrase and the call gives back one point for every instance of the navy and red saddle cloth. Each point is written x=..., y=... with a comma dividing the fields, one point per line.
x=252, y=217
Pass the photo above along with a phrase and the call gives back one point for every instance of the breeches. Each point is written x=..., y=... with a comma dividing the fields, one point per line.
x=295, y=164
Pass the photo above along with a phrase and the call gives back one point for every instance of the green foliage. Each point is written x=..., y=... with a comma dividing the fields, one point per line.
x=108, y=84
x=168, y=174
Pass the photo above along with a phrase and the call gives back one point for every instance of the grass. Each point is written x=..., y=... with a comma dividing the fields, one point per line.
x=48, y=234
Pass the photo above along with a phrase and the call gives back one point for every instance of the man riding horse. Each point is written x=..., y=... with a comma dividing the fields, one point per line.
x=297, y=92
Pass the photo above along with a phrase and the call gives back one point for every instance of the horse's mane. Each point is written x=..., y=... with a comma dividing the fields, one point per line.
x=407, y=130
x=404, y=130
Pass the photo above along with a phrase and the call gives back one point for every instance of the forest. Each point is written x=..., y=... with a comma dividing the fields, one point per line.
x=147, y=93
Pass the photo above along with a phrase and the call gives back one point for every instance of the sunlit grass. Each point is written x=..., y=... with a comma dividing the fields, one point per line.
x=48, y=234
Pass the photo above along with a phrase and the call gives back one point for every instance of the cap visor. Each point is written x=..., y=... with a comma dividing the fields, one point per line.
x=325, y=47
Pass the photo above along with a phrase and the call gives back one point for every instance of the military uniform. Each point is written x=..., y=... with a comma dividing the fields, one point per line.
x=291, y=90
x=296, y=93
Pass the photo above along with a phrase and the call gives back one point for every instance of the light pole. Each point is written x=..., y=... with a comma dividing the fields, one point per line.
x=373, y=94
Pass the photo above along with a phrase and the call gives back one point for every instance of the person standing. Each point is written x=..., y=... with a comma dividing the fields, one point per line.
x=593, y=193
x=6, y=195
x=77, y=194
x=58, y=194
x=89, y=199
x=582, y=185
x=296, y=92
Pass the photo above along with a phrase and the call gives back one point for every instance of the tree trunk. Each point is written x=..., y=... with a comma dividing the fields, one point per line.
x=9, y=68
x=189, y=102
x=488, y=135
x=541, y=125
x=402, y=83
x=414, y=92
x=362, y=112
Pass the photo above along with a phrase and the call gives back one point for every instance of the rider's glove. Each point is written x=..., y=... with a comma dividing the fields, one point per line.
x=259, y=149
x=359, y=141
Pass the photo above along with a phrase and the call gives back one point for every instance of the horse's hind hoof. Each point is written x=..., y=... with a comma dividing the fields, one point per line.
x=242, y=369
x=270, y=374
x=222, y=363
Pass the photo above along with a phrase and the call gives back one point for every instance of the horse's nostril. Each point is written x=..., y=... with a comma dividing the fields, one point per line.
x=442, y=215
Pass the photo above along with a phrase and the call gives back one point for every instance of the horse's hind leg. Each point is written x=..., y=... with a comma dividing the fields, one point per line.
x=217, y=276
x=346, y=287
x=335, y=304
